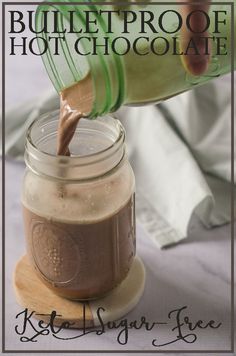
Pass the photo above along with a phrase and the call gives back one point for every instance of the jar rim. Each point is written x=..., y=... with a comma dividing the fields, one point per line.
x=107, y=76
x=106, y=131
x=120, y=136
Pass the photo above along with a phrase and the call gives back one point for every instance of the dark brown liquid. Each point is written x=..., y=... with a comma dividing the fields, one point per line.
x=82, y=261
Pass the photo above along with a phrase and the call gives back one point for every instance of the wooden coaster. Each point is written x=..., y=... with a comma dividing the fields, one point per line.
x=32, y=294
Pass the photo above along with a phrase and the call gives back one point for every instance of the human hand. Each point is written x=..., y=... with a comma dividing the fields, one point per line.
x=195, y=63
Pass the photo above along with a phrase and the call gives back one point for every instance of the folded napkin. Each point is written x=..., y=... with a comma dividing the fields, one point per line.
x=180, y=153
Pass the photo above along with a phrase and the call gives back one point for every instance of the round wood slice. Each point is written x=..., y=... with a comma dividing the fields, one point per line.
x=32, y=294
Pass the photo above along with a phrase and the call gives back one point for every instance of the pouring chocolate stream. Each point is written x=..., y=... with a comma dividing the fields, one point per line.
x=75, y=102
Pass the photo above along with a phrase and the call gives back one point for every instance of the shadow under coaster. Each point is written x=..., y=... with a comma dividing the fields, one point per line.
x=32, y=294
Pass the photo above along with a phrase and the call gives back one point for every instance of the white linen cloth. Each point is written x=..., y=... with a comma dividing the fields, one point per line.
x=180, y=151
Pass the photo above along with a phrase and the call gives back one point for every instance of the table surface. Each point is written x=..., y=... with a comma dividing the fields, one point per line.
x=194, y=274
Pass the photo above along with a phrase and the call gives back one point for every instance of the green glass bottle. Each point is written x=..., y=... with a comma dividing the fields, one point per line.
x=150, y=70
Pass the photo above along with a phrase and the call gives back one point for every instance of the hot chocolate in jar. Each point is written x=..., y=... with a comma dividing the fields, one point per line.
x=79, y=213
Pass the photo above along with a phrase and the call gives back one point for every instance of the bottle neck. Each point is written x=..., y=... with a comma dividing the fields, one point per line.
x=81, y=54
x=97, y=149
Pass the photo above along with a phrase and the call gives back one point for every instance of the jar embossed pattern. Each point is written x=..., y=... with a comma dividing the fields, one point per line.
x=79, y=211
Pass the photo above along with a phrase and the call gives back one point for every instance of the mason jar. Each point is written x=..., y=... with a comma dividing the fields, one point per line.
x=120, y=75
x=79, y=211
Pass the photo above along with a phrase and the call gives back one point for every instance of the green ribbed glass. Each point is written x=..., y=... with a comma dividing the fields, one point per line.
x=130, y=79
